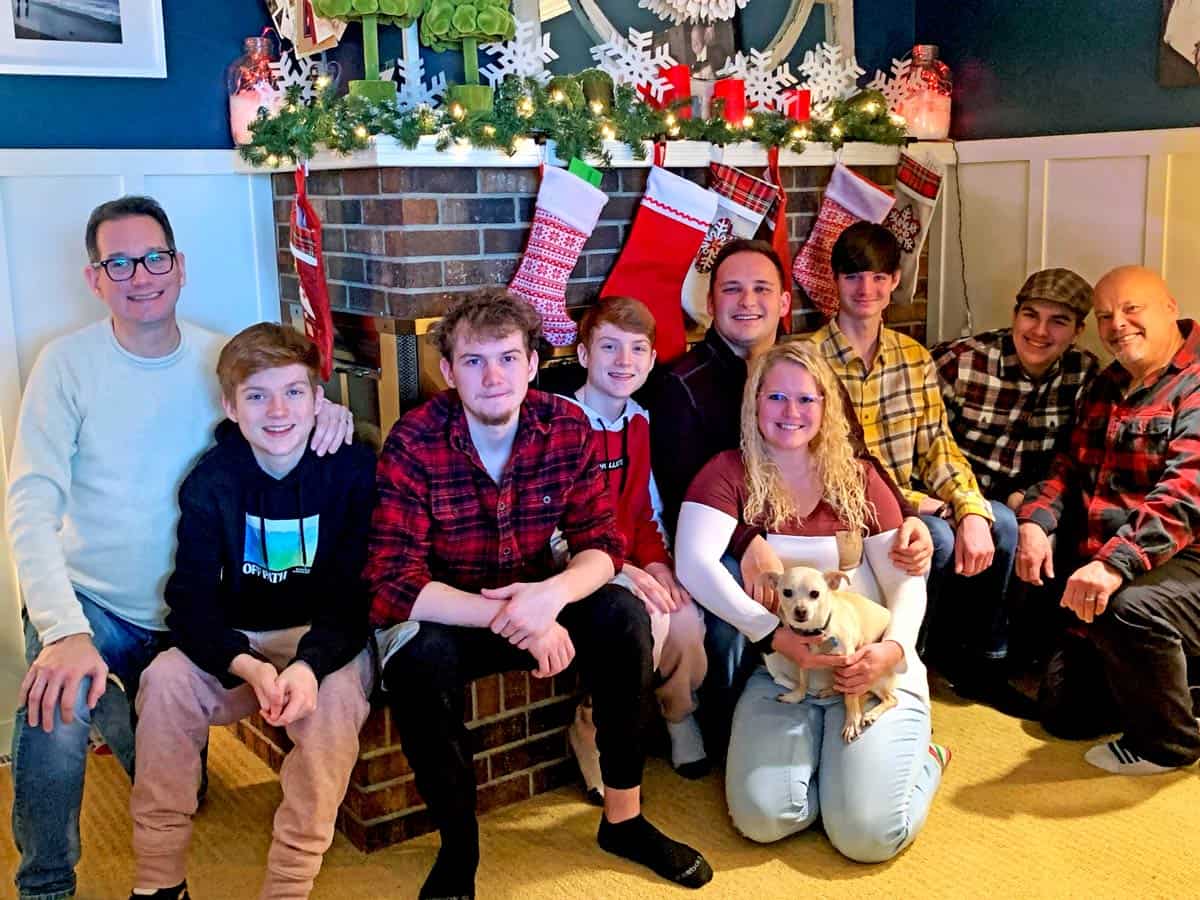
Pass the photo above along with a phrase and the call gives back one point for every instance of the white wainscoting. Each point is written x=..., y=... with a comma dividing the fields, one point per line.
x=1088, y=202
x=223, y=223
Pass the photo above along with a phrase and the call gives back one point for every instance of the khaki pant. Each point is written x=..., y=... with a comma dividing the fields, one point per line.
x=177, y=702
x=679, y=659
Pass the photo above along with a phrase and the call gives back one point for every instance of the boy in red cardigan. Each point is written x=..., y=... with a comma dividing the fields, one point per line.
x=616, y=347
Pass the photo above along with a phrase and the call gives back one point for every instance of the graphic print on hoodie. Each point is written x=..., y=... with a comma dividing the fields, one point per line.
x=275, y=547
x=247, y=556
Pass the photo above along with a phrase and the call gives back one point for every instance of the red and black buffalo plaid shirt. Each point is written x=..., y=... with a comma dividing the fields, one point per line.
x=1007, y=424
x=1136, y=462
x=441, y=517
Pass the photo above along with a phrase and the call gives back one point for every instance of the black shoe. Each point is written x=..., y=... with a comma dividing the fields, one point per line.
x=694, y=770
x=179, y=892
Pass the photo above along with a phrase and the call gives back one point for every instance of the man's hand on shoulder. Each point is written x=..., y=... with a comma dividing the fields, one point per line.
x=1035, y=555
x=335, y=426
x=973, y=546
x=1089, y=589
x=55, y=677
x=530, y=608
x=299, y=687
x=553, y=650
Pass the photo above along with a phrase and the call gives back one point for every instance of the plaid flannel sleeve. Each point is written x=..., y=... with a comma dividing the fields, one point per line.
x=398, y=549
x=941, y=466
x=589, y=521
x=1168, y=520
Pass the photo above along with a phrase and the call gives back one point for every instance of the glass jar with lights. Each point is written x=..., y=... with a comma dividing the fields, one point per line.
x=251, y=84
x=926, y=104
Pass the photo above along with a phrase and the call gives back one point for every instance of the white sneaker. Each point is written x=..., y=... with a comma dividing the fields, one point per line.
x=1112, y=757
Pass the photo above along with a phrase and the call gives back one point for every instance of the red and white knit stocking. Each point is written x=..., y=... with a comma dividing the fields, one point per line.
x=849, y=198
x=566, y=213
x=917, y=187
x=742, y=201
x=304, y=240
x=670, y=224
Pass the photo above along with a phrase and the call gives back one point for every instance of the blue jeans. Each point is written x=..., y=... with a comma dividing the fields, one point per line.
x=731, y=659
x=788, y=764
x=969, y=616
x=48, y=767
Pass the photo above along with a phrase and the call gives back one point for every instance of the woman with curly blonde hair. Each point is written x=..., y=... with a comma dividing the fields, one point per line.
x=797, y=487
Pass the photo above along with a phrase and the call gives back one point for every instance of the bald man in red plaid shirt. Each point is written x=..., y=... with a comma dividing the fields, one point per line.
x=471, y=487
x=1133, y=471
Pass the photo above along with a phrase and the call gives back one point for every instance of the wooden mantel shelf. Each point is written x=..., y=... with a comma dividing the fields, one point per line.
x=385, y=152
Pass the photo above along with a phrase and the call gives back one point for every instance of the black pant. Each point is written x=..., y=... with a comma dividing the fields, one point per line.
x=1142, y=641
x=426, y=678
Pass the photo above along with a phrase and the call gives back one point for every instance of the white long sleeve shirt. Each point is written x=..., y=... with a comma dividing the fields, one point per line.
x=708, y=521
x=103, y=441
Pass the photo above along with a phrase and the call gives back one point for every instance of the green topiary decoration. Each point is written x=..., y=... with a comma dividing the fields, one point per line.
x=450, y=24
x=372, y=14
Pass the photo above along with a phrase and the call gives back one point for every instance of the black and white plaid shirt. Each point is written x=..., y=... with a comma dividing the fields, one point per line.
x=1006, y=423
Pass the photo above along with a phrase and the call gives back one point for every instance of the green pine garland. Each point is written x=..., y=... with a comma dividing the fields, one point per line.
x=523, y=108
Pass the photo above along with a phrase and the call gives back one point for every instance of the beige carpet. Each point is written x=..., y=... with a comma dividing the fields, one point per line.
x=1018, y=815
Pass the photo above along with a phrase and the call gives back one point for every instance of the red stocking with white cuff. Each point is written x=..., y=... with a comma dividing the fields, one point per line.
x=849, y=198
x=566, y=214
x=667, y=231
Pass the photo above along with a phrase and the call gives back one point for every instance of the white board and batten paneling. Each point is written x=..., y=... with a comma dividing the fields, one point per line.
x=223, y=222
x=1087, y=202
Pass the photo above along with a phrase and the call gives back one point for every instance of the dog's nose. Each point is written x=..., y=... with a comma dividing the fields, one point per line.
x=814, y=594
x=788, y=592
x=801, y=615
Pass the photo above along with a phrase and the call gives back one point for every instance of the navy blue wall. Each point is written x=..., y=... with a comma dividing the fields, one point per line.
x=188, y=108
x=1064, y=67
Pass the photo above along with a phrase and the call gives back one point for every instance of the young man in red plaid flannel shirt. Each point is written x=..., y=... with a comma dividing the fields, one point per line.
x=1133, y=470
x=471, y=487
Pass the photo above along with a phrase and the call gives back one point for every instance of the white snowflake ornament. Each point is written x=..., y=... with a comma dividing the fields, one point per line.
x=411, y=87
x=828, y=77
x=635, y=61
x=524, y=56
x=305, y=71
x=764, y=85
x=896, y=88
x=680, y=11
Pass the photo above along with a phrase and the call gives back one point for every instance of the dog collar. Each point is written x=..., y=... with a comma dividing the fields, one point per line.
x=813, y=632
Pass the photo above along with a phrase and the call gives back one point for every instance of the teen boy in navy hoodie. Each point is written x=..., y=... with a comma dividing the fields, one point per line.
x=268, y=612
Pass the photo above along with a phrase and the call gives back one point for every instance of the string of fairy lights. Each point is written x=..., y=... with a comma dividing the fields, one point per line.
x=559, y=111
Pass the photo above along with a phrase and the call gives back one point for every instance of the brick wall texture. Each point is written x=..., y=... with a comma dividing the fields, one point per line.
x=517, y=722
x=403, y=242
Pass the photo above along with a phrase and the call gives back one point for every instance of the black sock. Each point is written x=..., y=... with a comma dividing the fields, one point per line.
x=453, y=874
x=639, y=841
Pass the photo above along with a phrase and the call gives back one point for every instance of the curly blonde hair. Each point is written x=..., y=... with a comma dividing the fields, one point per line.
x=770, y=502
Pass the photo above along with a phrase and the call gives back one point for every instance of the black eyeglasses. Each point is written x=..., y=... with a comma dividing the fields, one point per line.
x=121, y=268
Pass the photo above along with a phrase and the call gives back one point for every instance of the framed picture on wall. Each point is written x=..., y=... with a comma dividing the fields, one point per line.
x=109, y=38
x=1179, y=49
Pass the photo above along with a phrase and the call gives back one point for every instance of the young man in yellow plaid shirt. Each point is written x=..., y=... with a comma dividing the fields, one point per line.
x=893, y=384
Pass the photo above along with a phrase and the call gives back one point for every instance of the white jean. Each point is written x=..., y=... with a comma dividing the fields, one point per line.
x=787, y=764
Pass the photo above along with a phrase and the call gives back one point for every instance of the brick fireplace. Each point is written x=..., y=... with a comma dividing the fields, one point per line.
x=401, y=242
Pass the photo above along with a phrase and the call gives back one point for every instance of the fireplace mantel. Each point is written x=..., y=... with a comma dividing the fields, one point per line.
x=386, y=152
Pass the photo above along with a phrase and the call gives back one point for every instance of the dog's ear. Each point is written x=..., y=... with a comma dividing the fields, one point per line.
x=836, y=578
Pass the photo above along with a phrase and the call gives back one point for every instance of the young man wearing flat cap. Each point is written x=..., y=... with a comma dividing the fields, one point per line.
x=1011, y=397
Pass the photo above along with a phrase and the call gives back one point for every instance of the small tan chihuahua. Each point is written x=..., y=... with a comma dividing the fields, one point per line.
x=810, y=604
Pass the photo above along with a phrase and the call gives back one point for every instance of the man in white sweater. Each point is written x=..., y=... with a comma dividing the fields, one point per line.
x=112, y=418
